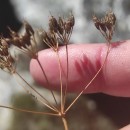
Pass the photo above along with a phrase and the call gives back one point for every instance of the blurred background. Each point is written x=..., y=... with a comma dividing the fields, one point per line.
x=101, y=111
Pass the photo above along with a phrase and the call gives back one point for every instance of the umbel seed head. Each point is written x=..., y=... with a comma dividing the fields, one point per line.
x=59, y=31
x=21, y=41
x=53, y=25
x=106, y=25
x=6, y=60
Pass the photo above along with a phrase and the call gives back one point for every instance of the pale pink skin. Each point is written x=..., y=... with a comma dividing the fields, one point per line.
x=84, y=62
x=126, y=128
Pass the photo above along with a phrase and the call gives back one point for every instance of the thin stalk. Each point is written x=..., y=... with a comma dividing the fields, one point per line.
x=47, y=80
x=69, y=36
x=27, y=51
x=61, y=85
x=61, y=37
x=65, y=123
x=35, y=44
x=46, y=104
x=49, y=45
x=29, y=111
x=67, y=66
x=108, y=50
x=67, y=74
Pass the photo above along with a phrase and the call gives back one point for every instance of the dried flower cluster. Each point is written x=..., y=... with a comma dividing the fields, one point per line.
x=23, y=42
x=59, y=31
x=6, y=60
x=106, y=25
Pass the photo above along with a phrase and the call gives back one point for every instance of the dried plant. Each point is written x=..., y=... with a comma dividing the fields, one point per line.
x=59, y=32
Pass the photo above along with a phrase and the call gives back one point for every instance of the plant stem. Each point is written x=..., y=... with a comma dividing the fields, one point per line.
x=47, y=80
x=46, y=104
x=67, y=75
x=29, y=111
x=65, y=123
x=108, y=50
x=61, y=91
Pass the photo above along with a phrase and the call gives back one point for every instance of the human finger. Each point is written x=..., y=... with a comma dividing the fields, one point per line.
x=84, y=62
x=126, y=128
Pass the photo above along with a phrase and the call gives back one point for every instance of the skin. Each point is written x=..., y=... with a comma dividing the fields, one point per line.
x=84, y=61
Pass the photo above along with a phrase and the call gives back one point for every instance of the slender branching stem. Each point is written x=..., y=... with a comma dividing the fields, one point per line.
x=61, y=37
x=49, y=105
x=29, y=111
x=30, y=52
x=108, y=50
x=67, y=74
x=61, y=84
x=35, y=43
x=65, y=123
x=43, y=71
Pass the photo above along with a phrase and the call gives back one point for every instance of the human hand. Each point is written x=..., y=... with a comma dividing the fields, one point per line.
x=84, y=62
